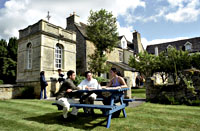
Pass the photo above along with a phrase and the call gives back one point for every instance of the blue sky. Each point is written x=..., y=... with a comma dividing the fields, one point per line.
x=156, y=20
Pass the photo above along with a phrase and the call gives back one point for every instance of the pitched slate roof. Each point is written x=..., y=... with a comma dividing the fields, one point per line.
x=123, y=66
x=177, y=44
x=82, y=29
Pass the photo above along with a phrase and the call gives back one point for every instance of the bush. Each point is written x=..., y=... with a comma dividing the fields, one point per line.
x=171, y=94
x=27, y=93
x=101, y=79
x=1, y=81
x=78, y=79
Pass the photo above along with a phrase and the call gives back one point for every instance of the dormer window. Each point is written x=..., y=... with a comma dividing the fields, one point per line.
x=188, y=46
x=169, y=46
x=124, y=44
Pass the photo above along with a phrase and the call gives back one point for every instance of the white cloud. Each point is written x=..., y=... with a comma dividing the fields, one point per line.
x=187, y=11
x=18, y=14
x=126, y=31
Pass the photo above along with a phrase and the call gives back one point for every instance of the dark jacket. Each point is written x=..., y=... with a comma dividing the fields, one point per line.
x=68, y=84
x=61, y=79
x=43, y=82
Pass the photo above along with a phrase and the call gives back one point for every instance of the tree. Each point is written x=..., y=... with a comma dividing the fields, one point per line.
x=102, y=31
x=95, y=67
x=8, y=70
x=144, y=63
x=195, y=60
x=169, y=63
x=8, y=60
x=12, y=48
x=177, y=60
x=3, y=48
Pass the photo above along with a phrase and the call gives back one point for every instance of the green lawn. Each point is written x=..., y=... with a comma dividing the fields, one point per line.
x=139, y=93
x=36, y=115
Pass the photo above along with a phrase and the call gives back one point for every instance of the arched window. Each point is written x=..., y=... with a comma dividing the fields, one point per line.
x=29, y=56
x=58, y=56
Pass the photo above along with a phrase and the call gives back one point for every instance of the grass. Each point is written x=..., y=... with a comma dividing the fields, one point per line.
x=35, y=115
x=138, y=92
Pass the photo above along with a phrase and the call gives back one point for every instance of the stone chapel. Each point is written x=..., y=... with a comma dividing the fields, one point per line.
x=44, y=47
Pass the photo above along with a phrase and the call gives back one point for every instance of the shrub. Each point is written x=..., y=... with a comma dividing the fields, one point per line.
x=78, y=79
x=27, y=93
x=1, y=81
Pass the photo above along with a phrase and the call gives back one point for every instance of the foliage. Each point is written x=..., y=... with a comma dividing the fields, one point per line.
x=8, y=60
x=1, y=81
x=27, y=93
x=3, y=48
x=177, y=61
x=144, y=63
x=8, y=70
x=78, y=79
x=102, y=31
x=101, y=79
x=175, y=94
x=169, y=63
x=195, y=60
x=97, y=63
x=12, y=48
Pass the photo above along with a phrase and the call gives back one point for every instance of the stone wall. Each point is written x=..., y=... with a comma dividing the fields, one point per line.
x=8, y=91
x=174, y=93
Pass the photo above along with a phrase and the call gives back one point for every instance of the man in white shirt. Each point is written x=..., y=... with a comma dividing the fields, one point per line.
x=88, y=84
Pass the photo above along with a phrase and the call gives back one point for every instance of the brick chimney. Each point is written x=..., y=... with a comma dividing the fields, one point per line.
x=138, y=47
x=72, y=19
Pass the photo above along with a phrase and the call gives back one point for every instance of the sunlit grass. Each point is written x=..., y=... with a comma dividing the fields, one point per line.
x=35, y=115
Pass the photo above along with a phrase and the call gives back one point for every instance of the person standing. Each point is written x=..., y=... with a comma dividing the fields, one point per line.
x=60, y=76
x=88, y=84
x=43, y=84
x=65, y=96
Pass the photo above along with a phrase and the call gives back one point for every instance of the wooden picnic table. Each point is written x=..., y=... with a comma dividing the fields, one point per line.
x=110, y=96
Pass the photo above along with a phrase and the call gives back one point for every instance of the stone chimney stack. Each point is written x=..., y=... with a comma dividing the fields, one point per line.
x=72, y=19
x=138, y=47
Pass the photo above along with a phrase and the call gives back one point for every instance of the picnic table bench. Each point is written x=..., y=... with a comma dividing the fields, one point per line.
x=115, y=95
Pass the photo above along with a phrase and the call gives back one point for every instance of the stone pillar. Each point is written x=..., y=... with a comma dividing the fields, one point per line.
x=128, y=92
x=148, y=85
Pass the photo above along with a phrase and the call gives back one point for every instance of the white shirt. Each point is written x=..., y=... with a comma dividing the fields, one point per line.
x=92, y=83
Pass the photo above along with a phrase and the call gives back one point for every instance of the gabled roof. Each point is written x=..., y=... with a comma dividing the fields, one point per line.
x=82, y=29
x=123, y=66
x=177, y=44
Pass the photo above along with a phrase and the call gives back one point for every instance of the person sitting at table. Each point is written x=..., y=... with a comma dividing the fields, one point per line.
x=64, y=95
x=88, y=84
x=116, y=80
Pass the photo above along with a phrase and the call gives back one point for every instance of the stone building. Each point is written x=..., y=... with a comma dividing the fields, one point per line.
x=191, y=45
x=118, y=57
x=44, y=47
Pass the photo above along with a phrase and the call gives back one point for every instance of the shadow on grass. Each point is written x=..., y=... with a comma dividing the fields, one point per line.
x=81, y=122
